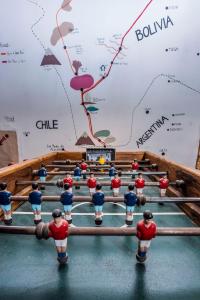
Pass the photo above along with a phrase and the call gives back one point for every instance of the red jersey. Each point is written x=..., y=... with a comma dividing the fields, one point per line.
x=116, y=183
x=91, y=183
x=135, y=166
x=145, y=233
x=163, y=183
x=58, y=233
x=139, y=183
x=83, y=166
x=68, y=180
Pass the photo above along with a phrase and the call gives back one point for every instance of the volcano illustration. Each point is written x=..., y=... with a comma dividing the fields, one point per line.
x=84, y=140
x=49, y=59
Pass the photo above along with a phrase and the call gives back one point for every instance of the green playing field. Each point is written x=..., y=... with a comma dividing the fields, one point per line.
x=100, y=267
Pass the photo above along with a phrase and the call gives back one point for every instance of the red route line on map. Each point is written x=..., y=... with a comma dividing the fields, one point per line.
x=107, y=73
x=71, y=66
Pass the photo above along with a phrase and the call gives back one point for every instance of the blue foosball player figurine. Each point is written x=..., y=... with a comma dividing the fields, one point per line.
x=5, y=203
x=98, y=201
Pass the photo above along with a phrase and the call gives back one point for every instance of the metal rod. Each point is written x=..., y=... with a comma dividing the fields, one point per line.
x=106, y=231
x=116, y=162
x=93, y=167
x=35, y=172
x=114, y=199
x=84, y=183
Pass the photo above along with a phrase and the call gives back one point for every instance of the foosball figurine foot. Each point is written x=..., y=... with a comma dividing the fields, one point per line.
x=129, y=222
x=62, y=260
x=98, y=221
x=8, y=222
x=141, y=259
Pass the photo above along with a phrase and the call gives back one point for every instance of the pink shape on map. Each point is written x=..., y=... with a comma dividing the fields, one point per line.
x=82, y=82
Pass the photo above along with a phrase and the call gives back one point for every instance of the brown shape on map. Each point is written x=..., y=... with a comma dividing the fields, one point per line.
x=64, y=29
x=9, y=148
x=66, y=6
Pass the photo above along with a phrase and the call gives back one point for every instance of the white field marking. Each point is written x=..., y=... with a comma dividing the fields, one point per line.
x=82, y=203
x=121, y=205
x=105, y=214
x=76, y=205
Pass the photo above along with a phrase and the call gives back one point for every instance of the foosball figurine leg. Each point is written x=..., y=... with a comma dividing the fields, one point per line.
x=37, y=213
x=98, y=215
x=139, y=192
x=162, y=194
x=68, y=216
x=62, y=258
x=115, y=192
x=129, y=218
x=84, y=175
x=7, y=214
x=61, y=247
x=77, y=187
x=141, y=254
x=7, y=221
x=42, y=187
x=98, y=221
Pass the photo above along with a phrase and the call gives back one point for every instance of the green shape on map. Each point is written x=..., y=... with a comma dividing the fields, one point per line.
x=102, y=133
x=92, y=108
x=110, y=140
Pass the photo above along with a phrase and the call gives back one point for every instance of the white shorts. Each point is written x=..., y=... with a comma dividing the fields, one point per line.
x=116, y=190
x=83, y=171
x=145, y=244
x=162, y=192
x=61, y=243
x=139, y=191
x=92, y=190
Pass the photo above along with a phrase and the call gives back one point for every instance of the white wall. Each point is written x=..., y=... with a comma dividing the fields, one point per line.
x=138, y=82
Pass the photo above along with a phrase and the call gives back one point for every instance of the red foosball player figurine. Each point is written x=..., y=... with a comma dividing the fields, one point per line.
x=116, y=184
x=163, y=184
x=139, y=184
x=135, y=167
x=92, y=183
x=68, y=179
x=58, y=230
x=84, y=168
x=146, y=231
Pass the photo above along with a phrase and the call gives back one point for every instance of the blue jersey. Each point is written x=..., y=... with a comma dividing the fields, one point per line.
x=130, y=199
x=77, y=172
x=5, y=197
x=112, y=171
x=42, y=172
x=35, y=197
x=98, y=198
x=66, y=198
